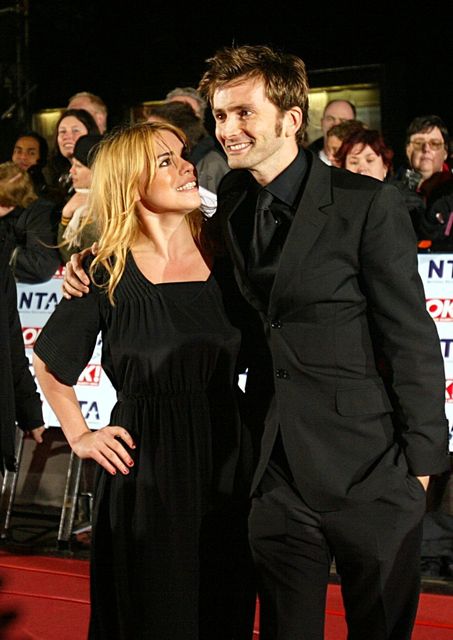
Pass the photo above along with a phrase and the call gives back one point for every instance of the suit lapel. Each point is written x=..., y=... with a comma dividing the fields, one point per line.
x=230, y=201
x=309, y=220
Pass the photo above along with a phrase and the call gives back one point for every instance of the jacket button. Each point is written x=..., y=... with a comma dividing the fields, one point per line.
x=282, y=374
x=276, y=324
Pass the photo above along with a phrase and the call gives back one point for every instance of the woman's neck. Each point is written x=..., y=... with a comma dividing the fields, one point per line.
x=168, y=237
x=170, y=258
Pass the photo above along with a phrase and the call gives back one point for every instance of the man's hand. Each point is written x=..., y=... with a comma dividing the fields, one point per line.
x=76, y=281
x=36, y=434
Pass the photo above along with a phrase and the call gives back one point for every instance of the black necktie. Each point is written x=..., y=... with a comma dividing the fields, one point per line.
x=261, y=267
x=263, y=228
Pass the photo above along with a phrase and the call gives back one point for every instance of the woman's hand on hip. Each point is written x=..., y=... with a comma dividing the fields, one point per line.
x=106, y=447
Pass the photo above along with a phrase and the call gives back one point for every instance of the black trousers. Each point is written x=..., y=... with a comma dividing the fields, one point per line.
x=376, y=547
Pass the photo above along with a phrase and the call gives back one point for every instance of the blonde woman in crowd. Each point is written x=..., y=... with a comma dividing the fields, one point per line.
x=76, y=229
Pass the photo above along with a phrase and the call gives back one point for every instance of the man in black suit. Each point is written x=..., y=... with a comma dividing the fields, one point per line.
x=356, y=423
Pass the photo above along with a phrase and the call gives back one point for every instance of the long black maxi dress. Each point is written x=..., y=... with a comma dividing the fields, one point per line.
x=169, y=546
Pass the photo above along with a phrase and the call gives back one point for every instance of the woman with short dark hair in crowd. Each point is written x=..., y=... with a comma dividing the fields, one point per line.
x=364, y=151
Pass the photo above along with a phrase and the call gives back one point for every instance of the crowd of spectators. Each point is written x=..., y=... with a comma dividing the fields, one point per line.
x=425, y=179
x=47, y=222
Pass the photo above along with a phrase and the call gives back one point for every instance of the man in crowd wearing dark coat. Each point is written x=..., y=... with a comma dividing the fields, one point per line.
x=19, y=399
x=29, y=225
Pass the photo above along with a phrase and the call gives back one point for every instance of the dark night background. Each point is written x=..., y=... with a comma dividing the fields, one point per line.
x=128, y=52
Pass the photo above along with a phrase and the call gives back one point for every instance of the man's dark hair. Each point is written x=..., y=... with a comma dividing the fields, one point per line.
x=283, y=74
x=43, y=146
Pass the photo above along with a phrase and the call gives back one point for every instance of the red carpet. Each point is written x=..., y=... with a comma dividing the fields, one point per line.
x=43, y=598
x=434, y=619
x=46, y=598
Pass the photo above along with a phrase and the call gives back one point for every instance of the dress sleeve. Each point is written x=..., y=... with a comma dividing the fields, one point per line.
x=68, y=338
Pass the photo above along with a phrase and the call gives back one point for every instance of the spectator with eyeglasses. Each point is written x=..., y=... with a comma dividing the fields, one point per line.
x=427, y=147
x=427, y=142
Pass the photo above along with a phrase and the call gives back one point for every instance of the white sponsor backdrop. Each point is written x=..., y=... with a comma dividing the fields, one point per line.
x=436, y=270
x=95, y=393
x=97, y=396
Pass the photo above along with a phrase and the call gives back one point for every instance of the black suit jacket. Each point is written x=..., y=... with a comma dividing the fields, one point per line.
x=20, y=401
x=356, y=363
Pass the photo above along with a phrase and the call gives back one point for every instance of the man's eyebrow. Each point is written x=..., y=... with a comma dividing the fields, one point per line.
x=235, y=107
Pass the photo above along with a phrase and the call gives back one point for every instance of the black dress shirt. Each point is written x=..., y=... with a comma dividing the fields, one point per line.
x=286, y=190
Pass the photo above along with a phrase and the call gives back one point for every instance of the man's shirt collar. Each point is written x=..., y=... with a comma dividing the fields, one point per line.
x=286, y=187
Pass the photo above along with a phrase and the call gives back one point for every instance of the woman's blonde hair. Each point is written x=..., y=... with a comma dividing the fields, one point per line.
x=122, y=159
x=16, y=186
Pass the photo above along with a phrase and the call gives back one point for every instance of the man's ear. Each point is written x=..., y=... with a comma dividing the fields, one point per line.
x=294, y=120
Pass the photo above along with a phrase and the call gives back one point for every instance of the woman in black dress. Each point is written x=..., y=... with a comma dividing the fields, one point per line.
x=169, y=547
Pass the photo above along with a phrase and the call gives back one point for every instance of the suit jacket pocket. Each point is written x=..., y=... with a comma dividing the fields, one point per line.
x=368, y=397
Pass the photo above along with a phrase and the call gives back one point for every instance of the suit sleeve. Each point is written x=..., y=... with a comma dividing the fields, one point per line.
x=27, y=401
x=405, y=331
